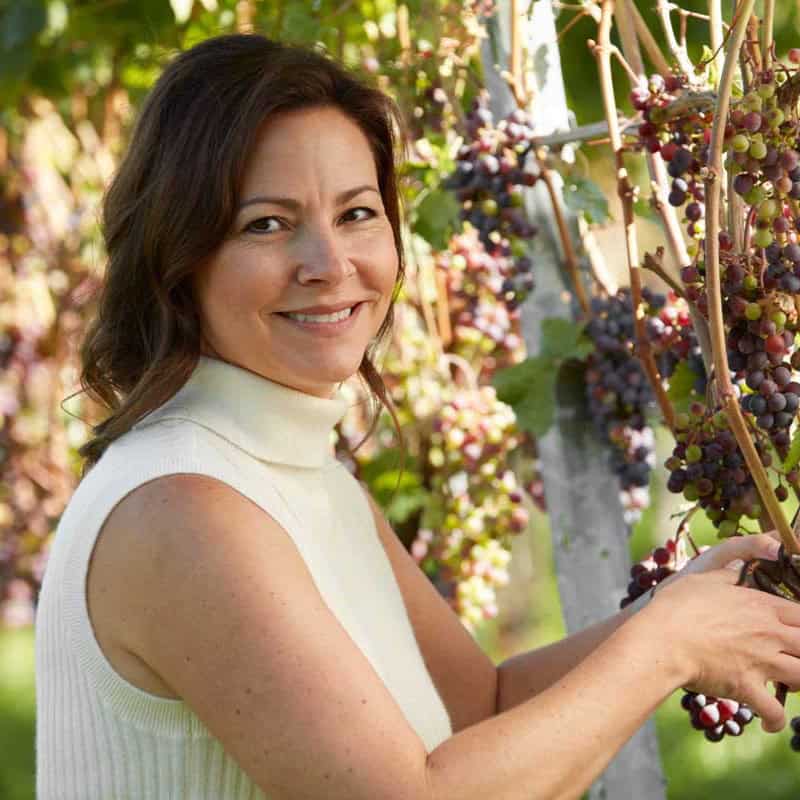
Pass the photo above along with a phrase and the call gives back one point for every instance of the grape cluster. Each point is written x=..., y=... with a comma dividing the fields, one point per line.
x=619, y=396
x=478, y=504
x=717, y=717
x=662, y=562
x=682, y=140
x=762, y=323
x=761, y=136
x=674, y=342
x=478, y=293
x=490, y=176
x=708, y=468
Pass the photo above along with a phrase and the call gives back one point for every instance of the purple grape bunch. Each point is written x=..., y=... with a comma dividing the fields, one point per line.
x=491, y=173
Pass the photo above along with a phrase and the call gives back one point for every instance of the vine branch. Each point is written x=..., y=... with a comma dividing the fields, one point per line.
x=768, y=24
x=679, y=53
x=648, y=41
x=602, y=52
x=722, y=376
x=716, y=36
x=570, y=259
x=659, y=181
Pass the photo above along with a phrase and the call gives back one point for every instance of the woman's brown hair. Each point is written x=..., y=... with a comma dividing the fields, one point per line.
x=172, y=202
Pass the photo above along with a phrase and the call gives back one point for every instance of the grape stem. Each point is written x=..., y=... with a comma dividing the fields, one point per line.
x=513, y=76
x=568, y=251
x=464, y=366
x=715, y=31
x=591, y=130
x=658, y=175
x=722, y=376
x=654, y=264
x=602, y=52
x=679, y=53
x=767, y=25
x=648, y=41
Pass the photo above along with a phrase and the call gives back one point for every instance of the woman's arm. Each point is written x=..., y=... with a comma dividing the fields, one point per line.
x=224, y=610
x=527, y=674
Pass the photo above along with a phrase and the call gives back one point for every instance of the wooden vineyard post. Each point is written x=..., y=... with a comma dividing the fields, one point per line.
x=590, y=536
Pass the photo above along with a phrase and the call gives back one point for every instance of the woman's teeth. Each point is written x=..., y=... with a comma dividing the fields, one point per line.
x=339, y=315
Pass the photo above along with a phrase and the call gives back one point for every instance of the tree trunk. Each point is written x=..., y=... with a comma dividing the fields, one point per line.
x=590, y=536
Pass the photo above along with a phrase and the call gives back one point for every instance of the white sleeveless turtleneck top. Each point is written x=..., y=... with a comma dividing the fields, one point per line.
x=98, y=737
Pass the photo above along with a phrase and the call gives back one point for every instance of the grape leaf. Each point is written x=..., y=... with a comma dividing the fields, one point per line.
x=537, y=410
x=562, y=339
x=513, y=383
x=793, y=456
x=405, y=504
x=436, y=218
x=529, y=388
x=584, y=196
x=681, y=387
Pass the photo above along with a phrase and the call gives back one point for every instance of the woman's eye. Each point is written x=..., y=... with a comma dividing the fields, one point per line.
x=369, y=211
x=262, y=225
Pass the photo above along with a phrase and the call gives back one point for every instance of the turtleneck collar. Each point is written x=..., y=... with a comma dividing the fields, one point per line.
x=272, y=422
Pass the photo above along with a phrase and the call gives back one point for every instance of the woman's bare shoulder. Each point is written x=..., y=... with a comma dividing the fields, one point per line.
x=230, y=618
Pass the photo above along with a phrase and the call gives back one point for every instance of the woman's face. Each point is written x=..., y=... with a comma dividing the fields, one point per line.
x=310, y=235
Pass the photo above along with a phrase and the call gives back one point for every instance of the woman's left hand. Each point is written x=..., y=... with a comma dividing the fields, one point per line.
x=732, y=553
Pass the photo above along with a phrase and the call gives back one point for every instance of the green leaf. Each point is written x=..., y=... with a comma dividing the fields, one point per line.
x=562, y=339
x=681, y=387
x=707, y=58
x=584, y=196
x=299, y=25
x=529, y=388
x=436, y=218
x=406, y=504
x=793, y=457
x=513, y=383
x=537, y=410
x=21, y=21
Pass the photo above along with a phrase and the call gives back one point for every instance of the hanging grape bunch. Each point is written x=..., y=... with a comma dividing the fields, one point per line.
x=619, y=395
x=715, y=716
x=491, y=171
x=657, y=566
x=485, y=332
x=476, y=502
x=707, y=468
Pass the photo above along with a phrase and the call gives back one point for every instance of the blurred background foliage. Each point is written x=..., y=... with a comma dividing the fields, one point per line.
x=72, y=74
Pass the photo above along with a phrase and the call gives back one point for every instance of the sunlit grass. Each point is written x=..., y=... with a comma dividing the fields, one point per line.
x=17, y=701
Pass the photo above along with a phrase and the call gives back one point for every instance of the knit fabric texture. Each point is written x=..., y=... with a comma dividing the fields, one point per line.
x=99, y=737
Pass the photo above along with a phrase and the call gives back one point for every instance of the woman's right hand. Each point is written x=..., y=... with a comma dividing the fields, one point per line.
x=730, y=640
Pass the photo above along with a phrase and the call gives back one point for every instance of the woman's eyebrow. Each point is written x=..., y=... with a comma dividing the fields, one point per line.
x=295, y=205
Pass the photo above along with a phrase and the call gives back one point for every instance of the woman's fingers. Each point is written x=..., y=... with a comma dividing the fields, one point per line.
x=737, y=549
x=764, y=703
x=788, y=671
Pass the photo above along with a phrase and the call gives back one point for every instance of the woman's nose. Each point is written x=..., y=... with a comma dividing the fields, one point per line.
x=323, y=257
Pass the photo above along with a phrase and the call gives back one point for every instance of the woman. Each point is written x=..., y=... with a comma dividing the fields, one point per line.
x=226, y=613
